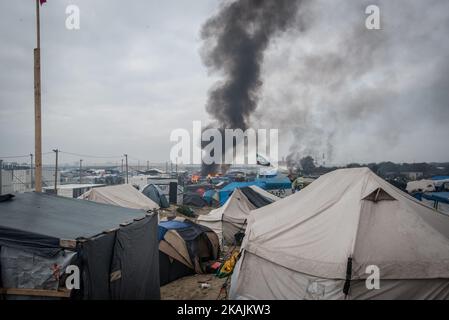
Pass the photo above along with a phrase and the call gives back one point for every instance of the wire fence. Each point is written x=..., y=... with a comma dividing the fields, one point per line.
x=17, y=174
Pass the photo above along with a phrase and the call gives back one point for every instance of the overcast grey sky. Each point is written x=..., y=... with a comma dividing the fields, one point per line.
x=133, y=73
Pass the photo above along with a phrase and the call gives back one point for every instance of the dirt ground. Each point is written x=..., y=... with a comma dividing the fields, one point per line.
x=189, y=288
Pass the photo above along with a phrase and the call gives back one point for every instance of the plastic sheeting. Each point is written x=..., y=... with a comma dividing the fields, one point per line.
x=27, y=270
x=37, y=219
x=135, y=264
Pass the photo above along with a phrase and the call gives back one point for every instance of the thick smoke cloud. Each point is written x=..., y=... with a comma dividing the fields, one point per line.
x=235, y=42
x=334, y=87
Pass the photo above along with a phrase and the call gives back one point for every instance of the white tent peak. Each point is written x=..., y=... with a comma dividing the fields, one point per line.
x=232, y=217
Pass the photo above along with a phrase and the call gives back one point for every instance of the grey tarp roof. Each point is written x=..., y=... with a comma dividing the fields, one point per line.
x=59, y=217
x=37, y=222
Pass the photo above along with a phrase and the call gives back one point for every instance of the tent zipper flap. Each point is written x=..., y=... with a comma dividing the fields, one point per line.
x=347, y=285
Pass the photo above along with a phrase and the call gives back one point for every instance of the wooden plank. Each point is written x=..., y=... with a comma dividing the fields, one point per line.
x=36, y=292
x=67, y=243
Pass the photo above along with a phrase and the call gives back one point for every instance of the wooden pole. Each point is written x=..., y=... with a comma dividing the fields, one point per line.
x=81, y=168
x=1, y=177
x=37, y=105
x=126, y=164
x=56, y=171
x=31, y=171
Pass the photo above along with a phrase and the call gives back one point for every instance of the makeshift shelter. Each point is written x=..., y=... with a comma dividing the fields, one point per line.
x=184, y=248
x=231, y=218
x=153, y=192
x=114, y=248
x=123, y=195
x=326, y=240
x=275, y=183
x=211, y=197
x=193, y=199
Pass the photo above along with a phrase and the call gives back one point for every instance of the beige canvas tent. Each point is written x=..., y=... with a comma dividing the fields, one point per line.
x=124, y=195
x=326, y=240
x=231, y=218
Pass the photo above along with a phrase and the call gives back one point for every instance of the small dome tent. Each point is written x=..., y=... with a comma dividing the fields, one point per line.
x=122, y=195
x=155, y=194
x=184, y=248
x=231, y=218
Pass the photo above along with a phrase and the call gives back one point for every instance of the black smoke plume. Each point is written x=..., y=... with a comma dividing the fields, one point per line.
x=234, y=43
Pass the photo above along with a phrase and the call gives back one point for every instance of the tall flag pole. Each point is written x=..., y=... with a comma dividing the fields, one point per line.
x=37, y=103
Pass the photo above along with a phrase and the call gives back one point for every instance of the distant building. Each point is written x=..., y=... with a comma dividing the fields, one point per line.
x=413, y=175
x=20, y=180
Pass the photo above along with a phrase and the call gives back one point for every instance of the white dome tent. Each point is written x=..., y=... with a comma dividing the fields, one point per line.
x=123, y=195
x=321, y=240
x=231, y=218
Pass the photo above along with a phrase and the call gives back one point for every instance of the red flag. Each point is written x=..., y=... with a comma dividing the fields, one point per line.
x=42, y=1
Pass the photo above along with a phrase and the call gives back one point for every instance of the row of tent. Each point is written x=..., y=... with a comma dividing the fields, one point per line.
x=114, y=239
x=320, y=243
x=218, y=197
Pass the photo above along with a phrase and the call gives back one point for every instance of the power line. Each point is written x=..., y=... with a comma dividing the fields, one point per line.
x=13, y=157
x=90, y=156
x=24, y=156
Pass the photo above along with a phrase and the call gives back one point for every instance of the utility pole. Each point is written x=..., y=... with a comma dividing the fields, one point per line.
x=37, y=103
x=126, y=163
x=122, y=167
x=31, y=171
x=148, y=165
x=1, y=177
x=81, y=169
x=56, y=171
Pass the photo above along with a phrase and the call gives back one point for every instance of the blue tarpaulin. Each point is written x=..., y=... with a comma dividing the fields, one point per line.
x=164, y=226
x=437, y=196
x=440, y=178
x=208, y=196
x=278, y=182
x=227, y=190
